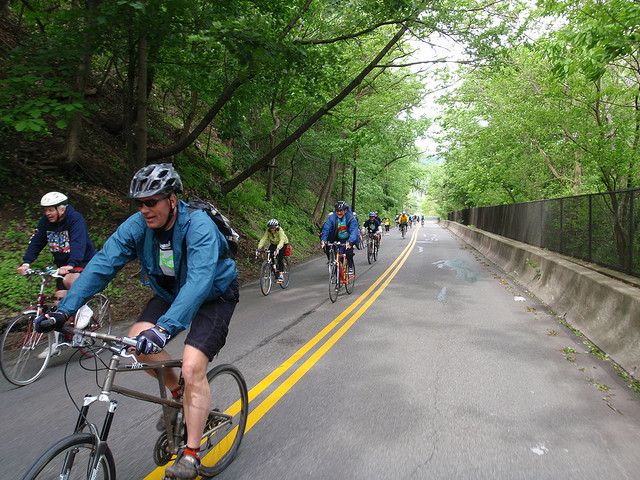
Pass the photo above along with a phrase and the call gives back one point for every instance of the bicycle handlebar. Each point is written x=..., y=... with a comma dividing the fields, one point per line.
x=111, y=339
x=51, y=272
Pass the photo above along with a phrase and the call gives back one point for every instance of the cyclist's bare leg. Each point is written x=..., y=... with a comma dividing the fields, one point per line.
x=171, y=378
x=197, y=394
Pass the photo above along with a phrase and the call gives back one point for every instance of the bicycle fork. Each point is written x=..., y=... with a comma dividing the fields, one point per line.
x=100, y=440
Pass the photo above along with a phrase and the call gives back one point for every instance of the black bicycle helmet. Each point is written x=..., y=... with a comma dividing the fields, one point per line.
x=341, y=205
x=273, y=223
x=155, y=179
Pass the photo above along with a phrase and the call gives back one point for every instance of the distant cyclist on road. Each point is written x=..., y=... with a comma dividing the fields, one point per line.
x=342, y=227
x=387, y=223
x=372, y=227
x=278, y=242
x=403, y=221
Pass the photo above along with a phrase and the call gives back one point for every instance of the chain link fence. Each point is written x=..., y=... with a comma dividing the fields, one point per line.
x=600, y=228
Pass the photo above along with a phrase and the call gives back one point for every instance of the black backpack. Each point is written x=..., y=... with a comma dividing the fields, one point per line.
x=222, y=222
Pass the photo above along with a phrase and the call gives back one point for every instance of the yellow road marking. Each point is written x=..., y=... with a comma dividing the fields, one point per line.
x=258, y=412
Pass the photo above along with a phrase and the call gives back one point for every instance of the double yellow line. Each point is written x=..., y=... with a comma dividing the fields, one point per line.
x=258, y=412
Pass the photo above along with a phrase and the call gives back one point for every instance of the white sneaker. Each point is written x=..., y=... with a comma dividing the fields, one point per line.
x=83, y=317
x=55, y=350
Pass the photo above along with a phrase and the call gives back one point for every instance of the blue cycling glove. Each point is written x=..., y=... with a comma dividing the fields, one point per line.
x=152, y=341
x=52, y=320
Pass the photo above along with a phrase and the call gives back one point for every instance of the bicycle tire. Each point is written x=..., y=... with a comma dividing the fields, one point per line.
x=24, y=353
x=228, y=395
x=369, y=251
x=53, y=461
x=334, y=283
x=375, y=253
x=350, y=280
x=100, y=321
x=265, y=278
x=285, y=274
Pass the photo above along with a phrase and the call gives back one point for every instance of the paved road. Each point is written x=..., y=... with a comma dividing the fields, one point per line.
x=437, y=367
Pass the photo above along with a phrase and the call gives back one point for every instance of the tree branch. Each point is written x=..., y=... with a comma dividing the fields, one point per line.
x=234, y=182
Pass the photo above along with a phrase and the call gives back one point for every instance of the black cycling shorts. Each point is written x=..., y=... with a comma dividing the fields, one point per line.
x=210, y=326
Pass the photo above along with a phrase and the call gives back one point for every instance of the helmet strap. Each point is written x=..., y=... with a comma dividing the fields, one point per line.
x=171, y=214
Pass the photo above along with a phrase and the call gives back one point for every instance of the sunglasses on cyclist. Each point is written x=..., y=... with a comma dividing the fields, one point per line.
x=148, y=203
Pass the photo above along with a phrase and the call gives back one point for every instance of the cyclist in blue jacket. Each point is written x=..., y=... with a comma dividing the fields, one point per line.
x=187, y=262
x=342, y=227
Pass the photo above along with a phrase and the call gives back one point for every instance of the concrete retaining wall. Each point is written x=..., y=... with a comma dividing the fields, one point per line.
x=606, y=310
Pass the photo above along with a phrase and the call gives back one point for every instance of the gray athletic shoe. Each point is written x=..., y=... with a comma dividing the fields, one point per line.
x=187, y=468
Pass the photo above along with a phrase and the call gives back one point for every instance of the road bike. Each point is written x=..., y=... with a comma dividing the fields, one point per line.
x=269, y=269
x=403, y=229
x=372, y=248
x=25, y=353
x=85, y=454
x=338, y=272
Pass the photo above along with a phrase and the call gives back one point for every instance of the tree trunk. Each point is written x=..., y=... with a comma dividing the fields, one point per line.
x=129, y=107
x=188, y=121
x=355, y=179
x=4, y=8
x=272, y=144
x=234, y=182
x=141, y=105
x=319, y=211
x=73, y=134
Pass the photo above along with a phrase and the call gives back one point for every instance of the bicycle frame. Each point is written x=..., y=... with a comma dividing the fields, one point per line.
x=341, y=260
x=109, y=386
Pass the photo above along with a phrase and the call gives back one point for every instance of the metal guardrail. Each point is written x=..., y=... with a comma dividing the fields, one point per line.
x=600, y=228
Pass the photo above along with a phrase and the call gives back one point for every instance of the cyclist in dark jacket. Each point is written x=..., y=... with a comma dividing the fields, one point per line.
x=65, y=231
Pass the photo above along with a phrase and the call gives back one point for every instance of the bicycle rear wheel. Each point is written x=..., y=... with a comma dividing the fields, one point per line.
x=71, y=458
x=24, y=353
x=227, y=420
x=334, y=282
x=265, y=278
x=285, y=273
x=100, y=320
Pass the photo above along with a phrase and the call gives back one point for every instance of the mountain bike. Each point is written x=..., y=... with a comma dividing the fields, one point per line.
x=372, y=248
x=25, y=353
x=269, y=269
x=85, y=454
x=338, y=272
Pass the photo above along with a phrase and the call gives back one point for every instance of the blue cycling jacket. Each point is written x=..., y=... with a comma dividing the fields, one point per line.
x=330, y=228
x=203, y=272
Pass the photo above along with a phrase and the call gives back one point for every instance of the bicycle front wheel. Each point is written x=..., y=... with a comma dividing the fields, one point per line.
x=24, y=353
x=334, y=283
x=369, y=252
x=350, y=280
x=265, y=278
x=227, y=419
x=72, y=459
x=285, y=273
x=375, y=252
